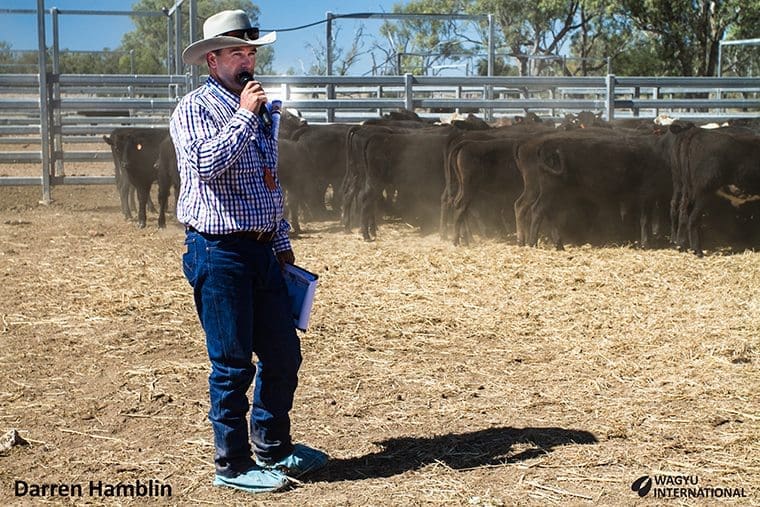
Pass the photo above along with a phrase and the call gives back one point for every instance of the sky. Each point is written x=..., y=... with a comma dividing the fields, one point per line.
x=90, y=32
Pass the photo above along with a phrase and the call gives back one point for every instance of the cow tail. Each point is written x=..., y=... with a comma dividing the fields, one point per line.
x=459, y=191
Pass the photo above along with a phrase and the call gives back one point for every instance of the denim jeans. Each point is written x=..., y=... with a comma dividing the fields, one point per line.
x=244, y=309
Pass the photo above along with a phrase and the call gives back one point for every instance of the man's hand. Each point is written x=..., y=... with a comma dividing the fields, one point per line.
x=253, y=97
x=286, y=257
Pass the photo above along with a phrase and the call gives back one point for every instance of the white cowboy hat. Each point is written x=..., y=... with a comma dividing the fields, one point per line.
x=213, y=38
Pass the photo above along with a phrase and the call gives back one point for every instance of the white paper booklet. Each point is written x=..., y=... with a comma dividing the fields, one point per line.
x=302, y=285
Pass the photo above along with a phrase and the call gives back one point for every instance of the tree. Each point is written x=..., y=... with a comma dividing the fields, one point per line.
x=689, y=31
x=536, y=33
x=8, y=59
x=423, y=46
x=744, y=59
x=342, y=60
x=579, y=37
x=148, y=41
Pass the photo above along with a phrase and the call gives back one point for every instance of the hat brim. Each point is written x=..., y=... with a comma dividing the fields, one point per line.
x=195, y=53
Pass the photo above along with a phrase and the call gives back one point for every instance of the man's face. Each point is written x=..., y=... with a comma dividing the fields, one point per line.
x=226, y=65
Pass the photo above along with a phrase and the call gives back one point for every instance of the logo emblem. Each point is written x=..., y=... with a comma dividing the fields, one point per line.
x=642, y=485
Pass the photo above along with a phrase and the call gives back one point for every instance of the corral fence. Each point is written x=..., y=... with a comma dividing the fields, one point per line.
x=66, y=110
x=53, y=121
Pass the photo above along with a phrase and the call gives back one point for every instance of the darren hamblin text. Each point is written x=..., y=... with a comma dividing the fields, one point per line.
x=149, y=488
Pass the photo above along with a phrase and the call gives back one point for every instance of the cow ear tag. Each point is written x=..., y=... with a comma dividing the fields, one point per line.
x=269, y=179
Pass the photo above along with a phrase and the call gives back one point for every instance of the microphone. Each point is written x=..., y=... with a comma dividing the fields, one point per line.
x=264, y=114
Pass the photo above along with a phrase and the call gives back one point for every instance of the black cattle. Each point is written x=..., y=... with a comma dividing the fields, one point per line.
x=324, y=167
x=469, y=122
x=487, y=182
x=451, y=168
x=127, y=191
x=526, y=158
x=723, y=163
x=293, y=168
x=290, y=122
x=408, y=168
x=357, y=137
x=168, y=177
x=676, y=139
x=616, y=173
x=135, y=151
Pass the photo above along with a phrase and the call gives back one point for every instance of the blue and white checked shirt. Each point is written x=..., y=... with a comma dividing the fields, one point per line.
x=222, y=150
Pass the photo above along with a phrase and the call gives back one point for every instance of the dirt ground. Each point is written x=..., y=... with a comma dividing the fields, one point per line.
x=485, y=375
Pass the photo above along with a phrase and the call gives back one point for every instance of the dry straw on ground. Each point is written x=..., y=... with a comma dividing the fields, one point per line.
x=434, y=375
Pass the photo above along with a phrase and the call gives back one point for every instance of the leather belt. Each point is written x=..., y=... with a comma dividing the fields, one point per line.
x=261, y=237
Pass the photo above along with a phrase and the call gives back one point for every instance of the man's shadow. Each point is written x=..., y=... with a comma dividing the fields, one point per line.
x=486, y=447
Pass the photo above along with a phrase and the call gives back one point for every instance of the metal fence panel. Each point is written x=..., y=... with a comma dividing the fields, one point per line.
x=82, y=108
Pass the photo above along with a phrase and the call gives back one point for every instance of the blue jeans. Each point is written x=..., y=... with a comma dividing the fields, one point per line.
x=244, y=309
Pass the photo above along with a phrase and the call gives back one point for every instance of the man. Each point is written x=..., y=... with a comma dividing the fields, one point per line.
x=237, y=241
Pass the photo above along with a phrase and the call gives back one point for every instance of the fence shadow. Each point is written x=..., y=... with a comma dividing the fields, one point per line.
x=486, y=447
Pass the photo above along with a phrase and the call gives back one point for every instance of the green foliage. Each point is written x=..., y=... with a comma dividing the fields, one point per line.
x=426, y=46
x=689, y=32
x=11, y=61
x=143, y=50
x=149, y=39
x=580, y=37
x=544, y=37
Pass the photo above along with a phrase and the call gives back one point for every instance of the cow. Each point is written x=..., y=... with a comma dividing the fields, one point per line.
x=526, y=154
x=612, y=171
x=127, y=191
x=680, y=134
x=135, y=151
x=357, y=137
x=677, y=135
x=293, y=167
x=723, y=163
x=406, y=166
x=325, y=166
x=290, y=123
x=168, y=177
x=522, y=128
x=487, y=178
x=468, y=122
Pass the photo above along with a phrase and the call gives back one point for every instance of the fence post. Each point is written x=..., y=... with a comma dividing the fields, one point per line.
x=408, y=92
x=169, y=44
x=178, y=64
x=44, y=102
x=610, y=82
x=194, y=72
x=328, y=43
x=57, y=139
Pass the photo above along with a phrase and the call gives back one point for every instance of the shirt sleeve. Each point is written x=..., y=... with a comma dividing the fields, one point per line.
x=209, y=148
x=281, y=238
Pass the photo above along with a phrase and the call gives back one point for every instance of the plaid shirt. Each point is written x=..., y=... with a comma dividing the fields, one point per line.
x=222, y=152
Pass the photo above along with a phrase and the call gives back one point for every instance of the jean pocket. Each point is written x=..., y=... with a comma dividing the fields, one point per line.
x=190, y=260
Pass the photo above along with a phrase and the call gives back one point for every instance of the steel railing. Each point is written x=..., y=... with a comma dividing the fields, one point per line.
x=81, y=108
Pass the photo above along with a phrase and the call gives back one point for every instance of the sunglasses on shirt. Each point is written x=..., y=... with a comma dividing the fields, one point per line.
x=249, y=34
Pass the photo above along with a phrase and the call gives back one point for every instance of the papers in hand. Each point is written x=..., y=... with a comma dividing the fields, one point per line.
x=301, y=287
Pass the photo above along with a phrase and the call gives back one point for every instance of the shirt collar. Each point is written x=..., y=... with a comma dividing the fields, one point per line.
x=223, y=92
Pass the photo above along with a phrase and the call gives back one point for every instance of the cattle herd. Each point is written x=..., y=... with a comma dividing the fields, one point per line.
x=637, y=181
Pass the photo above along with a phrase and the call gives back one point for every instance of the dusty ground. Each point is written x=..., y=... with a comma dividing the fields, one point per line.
x=488, y=375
